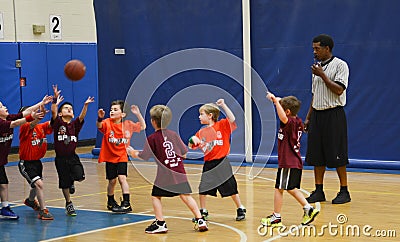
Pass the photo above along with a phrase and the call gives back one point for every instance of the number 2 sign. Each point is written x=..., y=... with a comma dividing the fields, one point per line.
x=55, y=27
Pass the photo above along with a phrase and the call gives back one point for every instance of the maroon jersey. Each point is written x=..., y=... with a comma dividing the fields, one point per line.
x=6, y=136
x=168, y=149
x=289, y=135
x=66, y=135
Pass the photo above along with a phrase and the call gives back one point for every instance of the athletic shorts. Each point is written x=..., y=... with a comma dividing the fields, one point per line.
x=288, y=178
x=31, y=170
x=69, y=169
x=115, y=169
x=327, y=138
x=218, y=176
x=3, y=175
x=171, y=191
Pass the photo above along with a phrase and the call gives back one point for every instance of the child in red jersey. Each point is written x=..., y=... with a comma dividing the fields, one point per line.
x=7, y=124
x=217, y=171
x=117, y=134
x=66, y=130
x=169, y=151
x=290, y=164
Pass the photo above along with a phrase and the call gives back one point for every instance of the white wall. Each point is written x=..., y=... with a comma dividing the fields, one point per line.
x=77, y=18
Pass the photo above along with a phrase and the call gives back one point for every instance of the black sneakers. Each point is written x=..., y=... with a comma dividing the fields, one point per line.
x=342, y=197
x=157, y=227
x=241, y=214
x=316, y=196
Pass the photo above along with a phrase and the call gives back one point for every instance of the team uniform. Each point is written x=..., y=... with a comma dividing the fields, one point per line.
x=68, y=165
x=290, y=164
x=168, y=150
x=327, y=132
x=33, y=147
x=116, y=137
x=217, y=170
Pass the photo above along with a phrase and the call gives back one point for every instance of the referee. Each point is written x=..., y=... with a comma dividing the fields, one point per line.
x=326, y=120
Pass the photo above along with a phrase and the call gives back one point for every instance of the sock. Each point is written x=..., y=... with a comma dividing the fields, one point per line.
x=4, y=204
x=319, y=187
x=125, y=197
x=241, y=206
x=277, y=215
x=343, y=188
x=110, y=198
x=307, y=206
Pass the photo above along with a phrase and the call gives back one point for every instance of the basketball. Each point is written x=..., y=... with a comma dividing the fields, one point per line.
x=74, y=70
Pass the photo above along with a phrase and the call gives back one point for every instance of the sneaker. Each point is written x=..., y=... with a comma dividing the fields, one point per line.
x=33, y=204
x=70, y=210
x=309, y=215
x=204, y=213
x=342, y=197
x=72, y=189
x=7, y=213
x=45, y=215
x=316, y=196
x=126, y=206
x=155, y=228
x=271, y=221
x=241, y=214
x=200, y=224
x=113, y=206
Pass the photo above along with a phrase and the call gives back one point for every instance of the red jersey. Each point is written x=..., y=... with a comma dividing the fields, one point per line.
x=289, y=135
x=168, y=149
x=33, y=142
x=221, y=146
x=6, y=136
x=116, y=138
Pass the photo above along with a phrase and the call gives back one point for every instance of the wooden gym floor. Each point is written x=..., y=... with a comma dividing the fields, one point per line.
x=373, y=214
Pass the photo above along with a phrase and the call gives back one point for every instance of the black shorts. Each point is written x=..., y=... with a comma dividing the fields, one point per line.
x=327, y=138
x=69, y=169
x=288, y=178
x=3, y=175
x=218, y=175
x=115, y=169
x=171, y=191
x=31, y=170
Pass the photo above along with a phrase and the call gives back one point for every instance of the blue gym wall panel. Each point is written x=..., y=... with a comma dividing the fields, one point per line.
x=364, y=37
x=9, y=80
x=148, y=30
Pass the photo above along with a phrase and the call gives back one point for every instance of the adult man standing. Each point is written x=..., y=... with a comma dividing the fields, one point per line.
x=326, y=120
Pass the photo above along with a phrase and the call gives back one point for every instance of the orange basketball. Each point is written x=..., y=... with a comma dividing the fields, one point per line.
x=74, y=70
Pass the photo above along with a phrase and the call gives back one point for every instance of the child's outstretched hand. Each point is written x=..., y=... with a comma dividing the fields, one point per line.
x=132, y=152
x=220, y=102
x=101, y=113
x=47, y=99
x=272, y=97
x=89, y=100
x=37, y=114
x=56, y=91
x=59, y=100
x=135, y=109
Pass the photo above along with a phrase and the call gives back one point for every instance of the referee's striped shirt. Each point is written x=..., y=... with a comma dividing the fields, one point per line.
x=338, y=71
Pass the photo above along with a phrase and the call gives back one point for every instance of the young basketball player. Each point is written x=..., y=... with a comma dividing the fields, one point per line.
x=289, y=160
x=117, y=134
x=33, y=147
x=217, y=171
x=66, y=130
x=7, y=124
x=169, y=151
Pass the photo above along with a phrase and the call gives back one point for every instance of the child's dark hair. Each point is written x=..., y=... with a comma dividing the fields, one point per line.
x=121, y=104
x=162, y=115
x=324, y=40
x=291, y=103
x=63, y=104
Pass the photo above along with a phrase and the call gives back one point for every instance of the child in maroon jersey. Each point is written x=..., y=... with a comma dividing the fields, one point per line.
x=169, y=151
x=7, y=124
x=290, y=164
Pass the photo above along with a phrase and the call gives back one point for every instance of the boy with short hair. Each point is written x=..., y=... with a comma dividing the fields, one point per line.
x=33, y=147
x=217, y=171
x=66, y=129
x=117, y=133
x=169, y=152
x=290, y=164
x=7, y=124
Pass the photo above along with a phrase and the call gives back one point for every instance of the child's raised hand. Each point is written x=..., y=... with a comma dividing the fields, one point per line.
x=135, y=109
x=56, y=91
x=101, y=113
x=59, y=100
x=37, y=114
x=47, y=99
x=220, y=102
x=89, y=100
x=270, y=96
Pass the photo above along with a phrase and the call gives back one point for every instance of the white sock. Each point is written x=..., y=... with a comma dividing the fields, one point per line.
x=307, y=206
x=4, y=204
x=241, y=206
